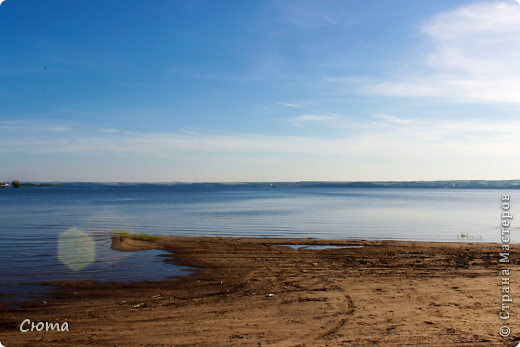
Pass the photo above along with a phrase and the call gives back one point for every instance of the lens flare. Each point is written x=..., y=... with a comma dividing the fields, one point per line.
x=76, y=249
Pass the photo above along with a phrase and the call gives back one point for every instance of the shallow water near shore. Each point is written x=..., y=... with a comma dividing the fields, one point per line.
x=33, y=218
x=108, y=265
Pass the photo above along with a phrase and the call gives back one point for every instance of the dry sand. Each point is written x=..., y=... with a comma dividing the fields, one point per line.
x=248, y=292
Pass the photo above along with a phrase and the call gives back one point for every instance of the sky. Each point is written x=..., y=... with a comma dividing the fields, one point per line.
x=231, y=91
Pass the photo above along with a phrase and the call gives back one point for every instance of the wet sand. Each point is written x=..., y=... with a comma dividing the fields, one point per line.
x=249, y=292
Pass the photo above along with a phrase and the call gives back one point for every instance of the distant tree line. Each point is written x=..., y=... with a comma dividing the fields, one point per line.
x=17, y=184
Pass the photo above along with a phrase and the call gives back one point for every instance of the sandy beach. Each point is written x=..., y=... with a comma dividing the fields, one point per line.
x=254, y=292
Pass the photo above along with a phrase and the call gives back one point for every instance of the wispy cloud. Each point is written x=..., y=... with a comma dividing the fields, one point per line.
x=311, y=109
x=414, y=138
x=379, y=123
x=139, y=84
x=30, y=126
x=424, y=149
x=312, y=117
x=395, y=120
x=475, y=54
x=224, y=90
x=56, y=129
x=312, y=14
x=109, y=130
x=291, y=105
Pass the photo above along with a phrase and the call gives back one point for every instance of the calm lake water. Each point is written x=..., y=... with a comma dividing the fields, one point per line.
x=33, y=219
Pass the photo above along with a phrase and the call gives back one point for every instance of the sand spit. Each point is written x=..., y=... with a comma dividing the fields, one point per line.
x=129, y=245
x=246, y=292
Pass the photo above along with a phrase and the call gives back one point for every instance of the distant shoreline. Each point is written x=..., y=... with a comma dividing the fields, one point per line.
x=447, y=184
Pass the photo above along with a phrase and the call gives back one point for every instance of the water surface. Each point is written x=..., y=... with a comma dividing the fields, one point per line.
x=33, y=218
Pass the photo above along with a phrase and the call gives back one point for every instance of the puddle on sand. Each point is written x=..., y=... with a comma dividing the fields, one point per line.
x=318, y=247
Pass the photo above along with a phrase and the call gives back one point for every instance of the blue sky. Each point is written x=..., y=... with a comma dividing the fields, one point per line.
x=161, y=91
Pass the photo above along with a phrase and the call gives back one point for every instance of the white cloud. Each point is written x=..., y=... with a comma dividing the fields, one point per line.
x=109, y=131
x=311, y=109
x=312, y=117
x=418, y=149
x=393, y=119
x=416, y=138
x=291, y=105
x=30, y=127
x=55, y=129
x=312, y=14
x=475, y=57
x=379, y=123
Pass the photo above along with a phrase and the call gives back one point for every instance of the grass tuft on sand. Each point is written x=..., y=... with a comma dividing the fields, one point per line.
x=127, y=234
